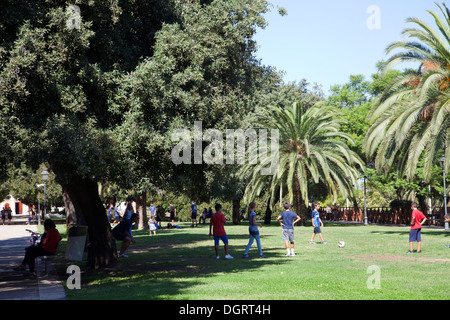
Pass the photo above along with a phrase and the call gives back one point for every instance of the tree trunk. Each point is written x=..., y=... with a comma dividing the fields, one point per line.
x=268, y=215
x=141, y=211
x=299, y=205
x=84, y=207
x=236, y=209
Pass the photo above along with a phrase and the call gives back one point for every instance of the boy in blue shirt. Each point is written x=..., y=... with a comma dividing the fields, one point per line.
x=193, y=214
x=316, y=223
x=152, y=210
x=289, y=219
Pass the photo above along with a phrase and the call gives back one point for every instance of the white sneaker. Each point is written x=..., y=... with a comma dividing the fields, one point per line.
x=218, y=257
x=123, y=255
x=287, y=255
x=228, y=257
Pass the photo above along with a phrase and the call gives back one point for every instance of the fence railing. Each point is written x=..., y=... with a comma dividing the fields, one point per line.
x=382, y=215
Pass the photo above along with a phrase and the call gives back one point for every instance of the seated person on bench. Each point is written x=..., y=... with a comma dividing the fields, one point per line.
x=48, y=246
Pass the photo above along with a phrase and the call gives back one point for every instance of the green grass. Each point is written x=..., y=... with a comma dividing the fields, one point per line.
x=181, y=264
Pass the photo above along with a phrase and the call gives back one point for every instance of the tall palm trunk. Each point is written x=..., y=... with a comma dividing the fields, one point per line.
x=268, y=215
x=299, y=205
x=236, y=211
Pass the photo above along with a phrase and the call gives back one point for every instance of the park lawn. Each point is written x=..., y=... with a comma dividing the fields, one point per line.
x=180, y=264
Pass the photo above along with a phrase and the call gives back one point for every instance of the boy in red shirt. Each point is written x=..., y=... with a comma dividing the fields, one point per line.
x=417, y=220
x=217, y=223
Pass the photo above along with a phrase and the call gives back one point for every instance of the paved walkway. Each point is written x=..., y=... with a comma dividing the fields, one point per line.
x=13, y=285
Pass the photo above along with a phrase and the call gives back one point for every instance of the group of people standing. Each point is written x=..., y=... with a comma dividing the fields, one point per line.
x=287, y=220
x=6, y=213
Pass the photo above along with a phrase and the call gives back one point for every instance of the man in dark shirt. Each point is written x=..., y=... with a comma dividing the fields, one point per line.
x=122, y=232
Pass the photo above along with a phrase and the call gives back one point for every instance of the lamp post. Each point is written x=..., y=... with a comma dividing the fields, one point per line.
x=442, y=161
x=39, y=205
x=44, y=175
x=366, y=221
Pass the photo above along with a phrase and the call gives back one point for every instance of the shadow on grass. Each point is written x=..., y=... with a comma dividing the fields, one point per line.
x=180, y=263
x=405, y=232
x=165, y=265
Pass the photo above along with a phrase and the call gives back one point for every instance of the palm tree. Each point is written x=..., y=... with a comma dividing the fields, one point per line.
x=411, y=118
x=311, y=148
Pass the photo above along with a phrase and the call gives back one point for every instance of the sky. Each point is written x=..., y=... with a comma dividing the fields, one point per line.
x=326, y=41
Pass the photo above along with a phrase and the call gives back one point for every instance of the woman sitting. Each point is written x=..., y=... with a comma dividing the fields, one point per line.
x=48, y=246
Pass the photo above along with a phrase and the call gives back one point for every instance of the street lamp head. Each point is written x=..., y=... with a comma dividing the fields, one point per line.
x=44, y=175
x=442, y=161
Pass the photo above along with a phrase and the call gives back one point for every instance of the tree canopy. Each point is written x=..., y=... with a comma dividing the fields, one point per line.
x=94, y=90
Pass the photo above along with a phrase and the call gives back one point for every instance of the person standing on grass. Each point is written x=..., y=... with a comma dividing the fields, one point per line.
x=193, y=214
x=417, y=220
x=173, y=213
x=289, y=219
x=316, y=223
x=158, y=216
x=6, y=213
x=217, y=223
x=152, y=210
x=254, y=232
x=152, y=225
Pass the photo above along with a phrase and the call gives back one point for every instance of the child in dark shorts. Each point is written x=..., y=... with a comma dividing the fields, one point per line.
x=122, y=233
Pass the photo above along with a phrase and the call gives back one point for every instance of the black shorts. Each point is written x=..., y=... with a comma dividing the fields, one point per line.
x=118, y=234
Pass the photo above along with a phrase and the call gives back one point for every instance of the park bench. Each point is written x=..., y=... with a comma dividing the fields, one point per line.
x=48, y=258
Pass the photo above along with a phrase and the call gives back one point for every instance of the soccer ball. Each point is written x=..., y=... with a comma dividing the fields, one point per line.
x=341, y=244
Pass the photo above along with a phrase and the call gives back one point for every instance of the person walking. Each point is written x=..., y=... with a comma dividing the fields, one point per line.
x=254, y=232
x=289, y=218
x=316, y=223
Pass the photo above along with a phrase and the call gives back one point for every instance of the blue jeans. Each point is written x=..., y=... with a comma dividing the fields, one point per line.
x=250, y=242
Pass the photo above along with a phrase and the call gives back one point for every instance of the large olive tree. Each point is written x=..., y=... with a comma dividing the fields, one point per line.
x=93, y=89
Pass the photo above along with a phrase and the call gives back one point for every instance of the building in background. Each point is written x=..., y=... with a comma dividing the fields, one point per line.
x=17, y=207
